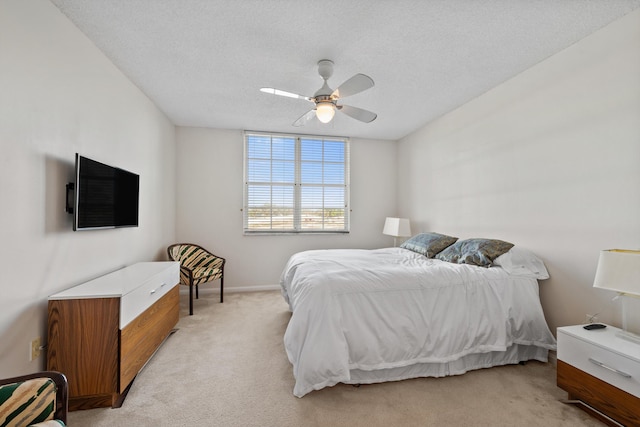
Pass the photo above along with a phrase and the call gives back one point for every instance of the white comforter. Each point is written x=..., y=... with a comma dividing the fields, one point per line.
x=387, y=308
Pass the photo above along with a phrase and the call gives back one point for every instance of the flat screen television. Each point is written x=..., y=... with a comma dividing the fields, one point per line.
x=104, y=196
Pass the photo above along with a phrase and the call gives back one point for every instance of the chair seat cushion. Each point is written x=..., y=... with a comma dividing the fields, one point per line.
x=27, y=402
x=205, y=272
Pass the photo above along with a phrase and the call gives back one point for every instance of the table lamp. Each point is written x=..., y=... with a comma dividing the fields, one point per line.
x=396, y=227
x=619, y=271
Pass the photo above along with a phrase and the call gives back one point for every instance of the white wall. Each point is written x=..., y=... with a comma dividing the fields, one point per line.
x=59, y=96
x=209, y=199
x=549, y=160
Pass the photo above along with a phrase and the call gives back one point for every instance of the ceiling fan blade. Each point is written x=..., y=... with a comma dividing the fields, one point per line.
x=355, y=84
x=304, y=119
x=274, y=91
x=358, y=113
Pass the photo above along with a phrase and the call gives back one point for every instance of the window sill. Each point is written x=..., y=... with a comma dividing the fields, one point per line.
x=291, y=233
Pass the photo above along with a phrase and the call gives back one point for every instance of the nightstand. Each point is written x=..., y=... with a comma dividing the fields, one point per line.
x=600, y=372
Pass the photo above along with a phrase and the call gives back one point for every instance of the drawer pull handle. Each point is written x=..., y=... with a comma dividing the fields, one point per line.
x=595, y=362
x=162, y=286
x=153, y=291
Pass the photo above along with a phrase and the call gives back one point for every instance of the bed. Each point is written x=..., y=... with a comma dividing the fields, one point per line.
x=369, y=316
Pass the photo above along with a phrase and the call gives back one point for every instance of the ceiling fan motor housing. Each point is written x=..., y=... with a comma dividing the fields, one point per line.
x=325, y=69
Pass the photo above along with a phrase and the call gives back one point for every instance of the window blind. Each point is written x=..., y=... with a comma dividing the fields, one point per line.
x=296, y=184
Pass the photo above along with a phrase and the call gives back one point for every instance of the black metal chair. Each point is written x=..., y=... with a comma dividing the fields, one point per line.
x=197, y=266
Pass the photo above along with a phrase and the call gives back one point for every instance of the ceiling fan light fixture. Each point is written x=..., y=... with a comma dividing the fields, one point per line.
x=325, y=111
x=325, y=99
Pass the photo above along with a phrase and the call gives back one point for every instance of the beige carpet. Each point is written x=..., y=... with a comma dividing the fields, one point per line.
x=226, y=366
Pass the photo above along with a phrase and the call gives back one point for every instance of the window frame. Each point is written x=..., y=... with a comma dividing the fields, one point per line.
x=297, y=184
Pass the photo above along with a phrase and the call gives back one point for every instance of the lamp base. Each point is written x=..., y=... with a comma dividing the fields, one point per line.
x=628, y=336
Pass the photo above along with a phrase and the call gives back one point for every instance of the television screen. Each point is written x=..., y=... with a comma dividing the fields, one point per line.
x=105, y=196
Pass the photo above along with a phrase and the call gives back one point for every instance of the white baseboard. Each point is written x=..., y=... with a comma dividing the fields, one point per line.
x=232, y=289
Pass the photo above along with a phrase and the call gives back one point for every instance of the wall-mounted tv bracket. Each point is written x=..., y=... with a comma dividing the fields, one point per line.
x=69, y=201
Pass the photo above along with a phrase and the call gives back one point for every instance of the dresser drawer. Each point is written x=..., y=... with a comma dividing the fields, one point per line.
x=605, y=364
x=141, y=298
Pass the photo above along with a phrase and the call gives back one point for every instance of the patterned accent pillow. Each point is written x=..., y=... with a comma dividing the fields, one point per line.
x=479, y=252
x=428, y=244
x=27, y=402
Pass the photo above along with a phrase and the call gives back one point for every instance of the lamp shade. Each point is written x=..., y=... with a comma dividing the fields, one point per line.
x=396, y=227
x=619, y=270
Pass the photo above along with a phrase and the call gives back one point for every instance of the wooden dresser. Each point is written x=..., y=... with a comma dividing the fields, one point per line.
x=602, y=372
x=101, y=333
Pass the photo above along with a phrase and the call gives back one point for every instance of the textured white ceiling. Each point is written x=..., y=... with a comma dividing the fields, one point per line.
x=203, y=61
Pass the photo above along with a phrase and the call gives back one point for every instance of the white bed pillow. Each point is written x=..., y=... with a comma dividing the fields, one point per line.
x=522, y=262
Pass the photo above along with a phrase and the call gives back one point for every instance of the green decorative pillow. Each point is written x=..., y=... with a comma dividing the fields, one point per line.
x=479, y=252
x=27, y=402
x=428, y=244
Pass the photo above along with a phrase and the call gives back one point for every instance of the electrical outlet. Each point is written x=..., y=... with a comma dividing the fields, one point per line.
x=34, y=349
x=592, y=318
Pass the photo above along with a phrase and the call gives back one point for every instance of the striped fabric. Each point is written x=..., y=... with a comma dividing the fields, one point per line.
x=27, y=402
x=197, y=265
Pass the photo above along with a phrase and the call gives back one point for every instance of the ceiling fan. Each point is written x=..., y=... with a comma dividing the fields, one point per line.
x=326, y=99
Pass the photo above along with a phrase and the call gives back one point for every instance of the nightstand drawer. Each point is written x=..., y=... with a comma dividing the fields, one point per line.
x=611, y=367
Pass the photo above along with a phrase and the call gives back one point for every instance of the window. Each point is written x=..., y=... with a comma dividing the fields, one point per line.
x=296, y=184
